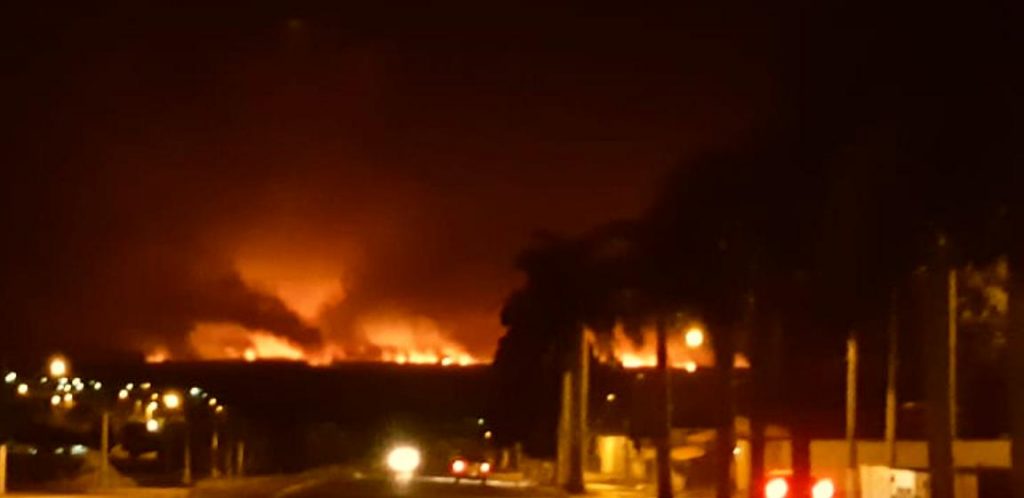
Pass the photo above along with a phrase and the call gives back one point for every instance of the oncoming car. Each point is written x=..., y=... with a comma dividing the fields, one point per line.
x=466, y=468
x=783, y=487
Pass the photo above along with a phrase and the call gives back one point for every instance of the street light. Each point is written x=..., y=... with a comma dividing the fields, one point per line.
x=11, y=377
x=23, y=389
x=58, y=366
x=152, y=425
x=172, y=400
x=694, y=337
x=55, y=399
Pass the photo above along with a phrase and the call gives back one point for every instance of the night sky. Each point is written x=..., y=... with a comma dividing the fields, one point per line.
x=308, y=170
x=170, y=167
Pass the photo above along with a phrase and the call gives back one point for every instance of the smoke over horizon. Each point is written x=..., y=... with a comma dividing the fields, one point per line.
x=329, y=181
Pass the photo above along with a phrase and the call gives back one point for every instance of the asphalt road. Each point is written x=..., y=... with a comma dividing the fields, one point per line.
x=418, y=488
x=347, y=486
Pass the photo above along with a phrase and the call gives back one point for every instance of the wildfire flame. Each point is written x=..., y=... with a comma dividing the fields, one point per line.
x=415, y=340
x=158, y=355
x=300, y=283
x=620, y=348
x=393, y=338
x=230, y=341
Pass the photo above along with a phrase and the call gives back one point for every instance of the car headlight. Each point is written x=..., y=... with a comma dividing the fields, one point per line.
x=824, y=488
x=458, y=466
x=403, y=459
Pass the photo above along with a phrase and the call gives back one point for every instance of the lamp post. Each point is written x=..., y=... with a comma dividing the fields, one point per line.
x=58, y=367
x=173, y=404
x=694, y=337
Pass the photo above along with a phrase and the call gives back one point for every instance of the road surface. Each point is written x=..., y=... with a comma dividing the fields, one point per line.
x=349, y=486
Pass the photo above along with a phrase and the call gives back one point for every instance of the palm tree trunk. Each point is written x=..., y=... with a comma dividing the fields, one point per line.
x=577, y=443
x=662, y=443
x=757, y=446
x=725, y=440
x=801, y=457
x=934, y=293
x=1016, y=371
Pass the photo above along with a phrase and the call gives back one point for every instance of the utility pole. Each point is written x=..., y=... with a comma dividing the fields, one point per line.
x=664, y=420
x=105, y=449
x=186, y=471
x=564, y=428
x=852, y=488
x=3, y=469
x=214, y=454
x=892, y=370
x=240, y=458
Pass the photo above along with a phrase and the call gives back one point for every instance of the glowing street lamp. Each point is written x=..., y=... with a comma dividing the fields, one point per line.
x=58, y=367
x=22, y=389
x=55, y=399
x=11, y=377
x=694, y=337
x=172, y=401
x=122, y=394
x=152, y=425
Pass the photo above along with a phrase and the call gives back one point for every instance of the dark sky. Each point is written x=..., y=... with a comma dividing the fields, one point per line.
x=170, y=167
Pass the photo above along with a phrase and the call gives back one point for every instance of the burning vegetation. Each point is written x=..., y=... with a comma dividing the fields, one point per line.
x=384, y=336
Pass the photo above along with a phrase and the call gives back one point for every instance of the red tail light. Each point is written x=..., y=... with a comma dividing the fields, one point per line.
x=458, y=466
x=824, y=488
x=777, y=487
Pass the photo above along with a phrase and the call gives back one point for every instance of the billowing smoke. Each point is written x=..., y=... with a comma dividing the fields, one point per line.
x=333, y=184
